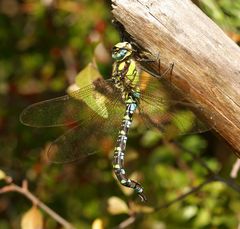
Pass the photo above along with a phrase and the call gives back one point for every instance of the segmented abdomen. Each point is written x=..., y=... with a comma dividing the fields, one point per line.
x=119, y=151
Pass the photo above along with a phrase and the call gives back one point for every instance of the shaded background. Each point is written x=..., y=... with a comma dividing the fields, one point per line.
x=43, y=45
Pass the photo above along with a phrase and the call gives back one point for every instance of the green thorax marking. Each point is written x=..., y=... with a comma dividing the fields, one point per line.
x=126, y=73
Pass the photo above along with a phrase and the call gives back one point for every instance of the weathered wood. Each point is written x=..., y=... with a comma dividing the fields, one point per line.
x=207, y=62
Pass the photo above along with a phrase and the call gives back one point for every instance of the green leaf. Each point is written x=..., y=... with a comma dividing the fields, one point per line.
x=96, y=101
x=189, y=212
x=2, y=175
x=194, y=142
x=150, y=138
x=87, y=76
x=203, y=218
x=184, y=120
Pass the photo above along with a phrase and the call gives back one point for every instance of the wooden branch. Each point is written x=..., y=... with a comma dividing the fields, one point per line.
x=207, y=62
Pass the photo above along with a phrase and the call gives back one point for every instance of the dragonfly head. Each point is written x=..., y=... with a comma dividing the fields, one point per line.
x=121, y=51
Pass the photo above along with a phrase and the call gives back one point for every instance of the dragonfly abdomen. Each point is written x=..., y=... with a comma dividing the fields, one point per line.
x=119, y=151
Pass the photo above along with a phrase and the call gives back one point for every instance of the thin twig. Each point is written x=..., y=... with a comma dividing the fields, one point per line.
x=24, y=191
x=183, y=196
x=126, y=222
x=230, y=182
x=195, y=157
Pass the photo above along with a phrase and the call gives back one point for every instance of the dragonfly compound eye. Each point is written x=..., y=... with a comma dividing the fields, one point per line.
x=121, y=50
x=120, y=54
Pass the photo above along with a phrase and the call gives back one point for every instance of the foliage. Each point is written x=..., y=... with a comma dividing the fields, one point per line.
x=224, y=12
x=43, y=44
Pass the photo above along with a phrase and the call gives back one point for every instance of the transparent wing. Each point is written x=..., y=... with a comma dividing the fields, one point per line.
x=69, y=109
x=92, y=113
x=172, y=117
x=88, y=137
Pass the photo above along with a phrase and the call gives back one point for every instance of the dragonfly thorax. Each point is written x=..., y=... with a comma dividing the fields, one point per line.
x=125, y=74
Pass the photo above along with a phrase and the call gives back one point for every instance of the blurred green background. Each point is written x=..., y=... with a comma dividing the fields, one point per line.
x=43, y=45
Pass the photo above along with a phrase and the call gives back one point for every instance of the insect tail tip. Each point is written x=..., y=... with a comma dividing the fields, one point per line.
x=142, y=197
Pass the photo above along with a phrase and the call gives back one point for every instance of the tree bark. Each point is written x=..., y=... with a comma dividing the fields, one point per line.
x=206, y=61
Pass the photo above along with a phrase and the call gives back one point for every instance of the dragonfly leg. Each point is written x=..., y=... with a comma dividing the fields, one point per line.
x=156, y=59
x=168, y=70
x=119, y=153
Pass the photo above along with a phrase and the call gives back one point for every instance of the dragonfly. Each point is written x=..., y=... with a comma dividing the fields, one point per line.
x=106, y=107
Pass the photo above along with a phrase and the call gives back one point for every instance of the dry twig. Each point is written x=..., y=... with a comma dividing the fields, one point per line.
x=24, y=191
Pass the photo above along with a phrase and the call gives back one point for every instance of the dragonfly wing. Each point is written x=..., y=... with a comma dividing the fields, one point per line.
x=91, y=114
x=54, y=112
x=168, y=115
x=99, y=126
x=87, y=138
x=68, y=109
